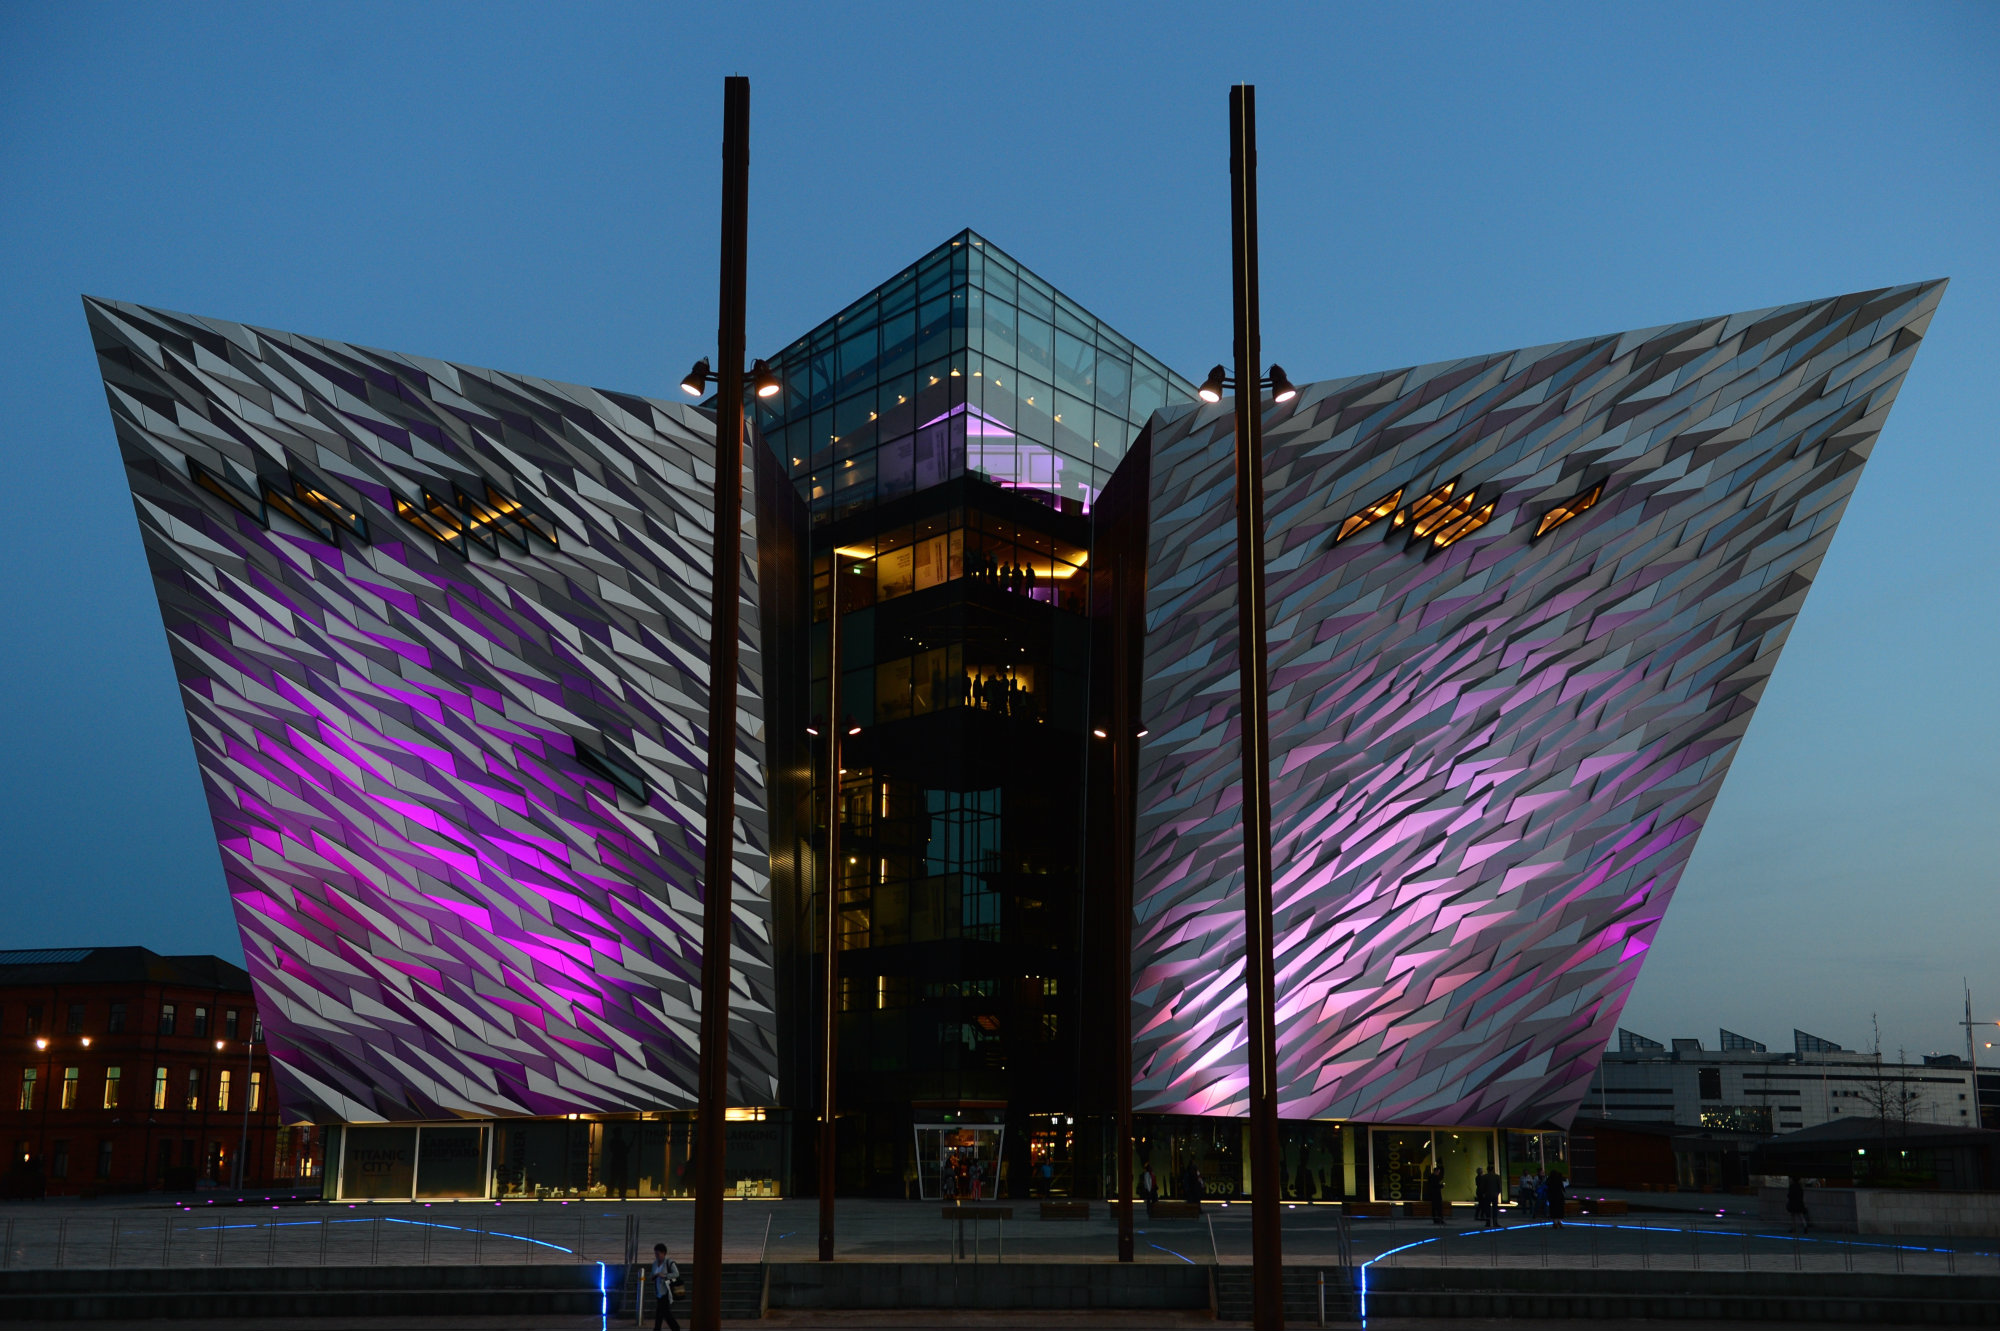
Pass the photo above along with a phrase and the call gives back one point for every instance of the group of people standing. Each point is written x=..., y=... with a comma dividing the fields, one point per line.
x=1538, y=1195
x=982, y=567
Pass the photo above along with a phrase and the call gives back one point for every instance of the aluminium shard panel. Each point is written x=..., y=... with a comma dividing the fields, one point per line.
x=442, y=636
x=1489, y=757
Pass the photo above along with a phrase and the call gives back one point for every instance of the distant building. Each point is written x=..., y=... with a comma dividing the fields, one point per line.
x=126, y=1071
x=1744, y=1087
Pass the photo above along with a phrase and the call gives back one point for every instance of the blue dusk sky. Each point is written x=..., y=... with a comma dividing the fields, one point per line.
x=534, y=188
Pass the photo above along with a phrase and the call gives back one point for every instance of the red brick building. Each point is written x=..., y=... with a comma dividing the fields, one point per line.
x=125, y=1071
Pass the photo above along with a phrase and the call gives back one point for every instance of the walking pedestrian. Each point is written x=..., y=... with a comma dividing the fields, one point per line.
x=1434, y=1193
x=666, y=1288
x=1553, y=1185
x=1795, y=1206
x=1149, y=1188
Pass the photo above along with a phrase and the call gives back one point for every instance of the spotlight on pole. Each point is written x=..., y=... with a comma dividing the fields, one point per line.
x=1211, y=388
x=853, y=726
x=697, y=379
x=765, y=379
x=1282, y=389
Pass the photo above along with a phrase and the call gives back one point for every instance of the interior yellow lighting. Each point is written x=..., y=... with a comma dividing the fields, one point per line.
x=1465, y=526
x=1422, y=507
x=1568, y=509
x=1370, y=515
x=1442, y=516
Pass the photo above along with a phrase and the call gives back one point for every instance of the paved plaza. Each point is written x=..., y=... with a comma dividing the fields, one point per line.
x=221, y=1232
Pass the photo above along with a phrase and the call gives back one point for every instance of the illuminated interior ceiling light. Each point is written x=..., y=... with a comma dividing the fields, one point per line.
x=1442, y=516
x=439, y=526
x=1369, y=516
x=1569, y=508
x=311, y=519
x=697, y=379
x=1423, y=507
x=484, y=518
x=1465, y=526
x=1282, y=389
x=315, y=496
x=468, y=527
x=764, y=380
x=1212, y=387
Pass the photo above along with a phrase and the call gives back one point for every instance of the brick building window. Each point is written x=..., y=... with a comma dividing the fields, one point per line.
x=222, y=1090
x=193, y=1100
x=159, y=1088
x=116, y=1025
x=256, y=1091
x=75, y=1023
x=229, y=1024
x=166, y=1018
x=256, y=1029
x=27, y=1088
x=72, y=1081
x=34, y=1018
x=59, y=1159
x=104, y=1158
x=200, y=1023
x=111, y=1076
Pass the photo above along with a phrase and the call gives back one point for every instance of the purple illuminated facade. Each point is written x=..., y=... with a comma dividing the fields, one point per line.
x=1522, y=608
x=440, y=634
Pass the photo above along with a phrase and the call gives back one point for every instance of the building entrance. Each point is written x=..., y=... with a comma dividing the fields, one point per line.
x=959, y=1161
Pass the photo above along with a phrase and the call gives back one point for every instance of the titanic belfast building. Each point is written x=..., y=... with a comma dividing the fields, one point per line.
x=442, y=632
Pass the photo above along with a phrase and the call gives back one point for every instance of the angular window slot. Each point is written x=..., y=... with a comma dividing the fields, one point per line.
x=442, y=528
x=514, y=510
x=1369, y=516
x=1567, y=509
x=228, y=493
x=1465, y=526
x=616, y=768
x=316, y=523
x=486, y=519
x=315, y=496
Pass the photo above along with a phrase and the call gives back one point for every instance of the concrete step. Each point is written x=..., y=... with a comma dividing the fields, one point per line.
x=1301, y=1294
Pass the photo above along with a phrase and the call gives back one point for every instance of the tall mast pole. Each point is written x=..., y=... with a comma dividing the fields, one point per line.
x=1122, y=836
x=1260, y=999
x=830, y=923
x=719, y=860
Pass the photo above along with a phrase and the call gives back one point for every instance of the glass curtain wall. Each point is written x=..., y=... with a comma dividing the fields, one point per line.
x=965, y=363
x=951, y=431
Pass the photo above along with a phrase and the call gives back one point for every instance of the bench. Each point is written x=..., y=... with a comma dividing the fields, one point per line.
x=975, y=1214
x=1166, y=1210
x=1372, y=1210
x=1065, y=1210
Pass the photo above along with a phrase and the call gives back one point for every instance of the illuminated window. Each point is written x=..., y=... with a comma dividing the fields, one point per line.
x=222, y=1090
x=1464, y=526
x=201, y=1023
x=256, y=1091
x=72, y=1080
x=484, y=518
x=1440, y=516
x=1424, y=507
x=159, y=1088
x=229, y=492
x=1370, y=515
x=111, y=1077
x=27, y=1088
x=193, y=1100
x=1569, y=508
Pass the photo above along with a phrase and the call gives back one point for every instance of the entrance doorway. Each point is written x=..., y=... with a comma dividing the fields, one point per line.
x=959, y=1161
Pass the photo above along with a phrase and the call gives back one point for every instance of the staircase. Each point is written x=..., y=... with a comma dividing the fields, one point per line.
x=742, y=1294
x=1232, y=1295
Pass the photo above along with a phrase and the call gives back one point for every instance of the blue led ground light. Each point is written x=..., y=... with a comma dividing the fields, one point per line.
x=394, y=1220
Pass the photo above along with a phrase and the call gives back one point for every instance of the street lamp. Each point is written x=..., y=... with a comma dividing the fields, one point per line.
x=1219, y=382
x=844, y=728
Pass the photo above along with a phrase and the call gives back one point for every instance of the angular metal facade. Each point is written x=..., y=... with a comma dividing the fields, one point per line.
x=1500, y=713
x=441, y=633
